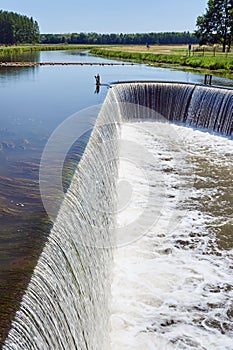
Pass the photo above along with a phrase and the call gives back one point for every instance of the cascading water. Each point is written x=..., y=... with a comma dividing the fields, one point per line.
x=198, y=106
x=212, y=109
x=171, y=282
x=168, y=100
x=66, y=303
x=172, y=286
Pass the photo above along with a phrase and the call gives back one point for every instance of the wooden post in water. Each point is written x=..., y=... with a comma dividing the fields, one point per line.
x=97, y=79
x=208, y=79
x=97, y=82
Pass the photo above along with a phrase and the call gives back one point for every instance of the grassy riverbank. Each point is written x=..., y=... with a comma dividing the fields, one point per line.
x=203, y=59
x=6, y=51
x=216, y=62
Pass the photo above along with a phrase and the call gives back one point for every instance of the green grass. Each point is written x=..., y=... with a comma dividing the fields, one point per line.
x=219, y=64
x=6, y=51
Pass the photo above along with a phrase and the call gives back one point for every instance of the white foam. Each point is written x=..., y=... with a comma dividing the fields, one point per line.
x=172, y=286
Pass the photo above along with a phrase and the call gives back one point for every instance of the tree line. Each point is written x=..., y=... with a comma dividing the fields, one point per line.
x=120, y=39
x=18, y=29
x=215, y=26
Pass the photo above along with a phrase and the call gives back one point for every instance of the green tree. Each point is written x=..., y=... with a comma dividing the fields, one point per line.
x=112, y=38
x=216, y=25
x=15, y=28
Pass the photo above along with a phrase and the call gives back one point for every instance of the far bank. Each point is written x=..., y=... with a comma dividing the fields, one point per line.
x=204, y=59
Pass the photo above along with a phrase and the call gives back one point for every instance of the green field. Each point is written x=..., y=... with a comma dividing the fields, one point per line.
x=204, y=59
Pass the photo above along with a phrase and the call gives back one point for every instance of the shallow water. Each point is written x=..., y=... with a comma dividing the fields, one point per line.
x=172, y=285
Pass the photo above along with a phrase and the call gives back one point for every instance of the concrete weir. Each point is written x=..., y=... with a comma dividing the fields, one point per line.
x=66, y=304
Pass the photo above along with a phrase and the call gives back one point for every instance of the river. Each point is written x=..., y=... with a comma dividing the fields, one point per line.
x=34, y=102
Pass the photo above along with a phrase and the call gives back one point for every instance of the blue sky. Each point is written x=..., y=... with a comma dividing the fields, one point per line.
x=105, y=16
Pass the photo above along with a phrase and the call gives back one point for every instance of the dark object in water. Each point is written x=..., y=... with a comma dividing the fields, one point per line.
x=97, y=79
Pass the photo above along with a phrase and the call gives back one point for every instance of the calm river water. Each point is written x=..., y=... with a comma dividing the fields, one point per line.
x=33, y=102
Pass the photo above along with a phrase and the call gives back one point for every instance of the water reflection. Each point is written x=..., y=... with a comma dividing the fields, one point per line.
x=25, y=57
x=34, y=101
x=7, y=73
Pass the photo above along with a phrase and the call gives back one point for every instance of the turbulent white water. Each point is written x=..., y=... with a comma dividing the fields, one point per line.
x=173, y=286
x=171, y=228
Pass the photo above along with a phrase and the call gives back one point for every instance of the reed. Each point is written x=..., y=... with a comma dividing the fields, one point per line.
x=6, y=51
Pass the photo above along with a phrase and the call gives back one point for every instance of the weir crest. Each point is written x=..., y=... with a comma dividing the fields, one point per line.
x=66, y=304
